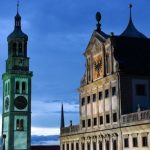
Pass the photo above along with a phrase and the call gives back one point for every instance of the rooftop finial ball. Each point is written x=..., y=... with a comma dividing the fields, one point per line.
x=98, y=16
x=130, y=5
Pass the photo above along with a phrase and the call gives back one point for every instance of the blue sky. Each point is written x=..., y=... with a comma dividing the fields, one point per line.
x=59, y=31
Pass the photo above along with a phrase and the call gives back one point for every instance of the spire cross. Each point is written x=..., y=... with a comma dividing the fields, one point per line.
x=18, y=6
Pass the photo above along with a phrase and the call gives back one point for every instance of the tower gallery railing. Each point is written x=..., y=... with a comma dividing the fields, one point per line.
x=133, y=118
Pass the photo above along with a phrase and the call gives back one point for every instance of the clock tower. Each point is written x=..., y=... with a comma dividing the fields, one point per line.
x=16, y=126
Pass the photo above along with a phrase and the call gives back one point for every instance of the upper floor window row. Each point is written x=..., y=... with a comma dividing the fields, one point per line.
x=100, y=96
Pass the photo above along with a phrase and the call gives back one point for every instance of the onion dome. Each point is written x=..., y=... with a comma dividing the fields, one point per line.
x=17, y=33
x=131, y=30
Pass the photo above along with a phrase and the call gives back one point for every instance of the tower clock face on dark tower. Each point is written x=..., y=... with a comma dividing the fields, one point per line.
x=20, y=102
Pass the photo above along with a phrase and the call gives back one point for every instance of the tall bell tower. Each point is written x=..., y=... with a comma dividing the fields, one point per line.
x=16, y=126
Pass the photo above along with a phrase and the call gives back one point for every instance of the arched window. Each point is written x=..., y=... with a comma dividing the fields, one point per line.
x=5, y=89
x=25, y=49
x=17, y=87
x=14, y=49
x=21, y=124
x=17, y=124
x=8, y=88
x=23, y=87
x=20, y=48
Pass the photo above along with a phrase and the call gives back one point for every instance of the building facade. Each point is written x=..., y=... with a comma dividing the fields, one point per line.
x=16, y=117
x=114, y=94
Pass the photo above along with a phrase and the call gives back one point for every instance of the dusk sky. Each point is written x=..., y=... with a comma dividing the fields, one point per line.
x=59, y=31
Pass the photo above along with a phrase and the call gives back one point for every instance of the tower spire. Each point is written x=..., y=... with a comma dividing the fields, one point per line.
x=18, y=3
x=18, y=17
x=130, y=7
x=62, y=125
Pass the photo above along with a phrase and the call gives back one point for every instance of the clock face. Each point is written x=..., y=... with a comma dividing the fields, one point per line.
x=7, y=103
x=20, y=102
x=97, y=67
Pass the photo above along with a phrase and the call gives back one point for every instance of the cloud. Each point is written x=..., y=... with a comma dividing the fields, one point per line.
x=45, y=131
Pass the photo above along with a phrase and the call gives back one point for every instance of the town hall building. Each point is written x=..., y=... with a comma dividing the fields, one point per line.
x=114, y=93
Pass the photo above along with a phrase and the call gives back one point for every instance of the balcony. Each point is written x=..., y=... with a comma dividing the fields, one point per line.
x=70, y=130
x=136, y=117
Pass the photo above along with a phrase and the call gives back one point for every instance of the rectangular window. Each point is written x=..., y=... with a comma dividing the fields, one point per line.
x=114, y=145
x=107, y=145
x=83, y=101
x=82, y=146
x=72, y=146
x=113, y=91
x=83, y=123
x=67, y=146
x=114, y=117
x=126, y=142
x=94, y=145
x=63, y=146
x=106, y=93
x=101, y=120
x=89, y=122
x=144, y=141
x=100, y=95
x=95, y=121
x=107, y=119
x=135, y=142
x=77, y=146
x=100, y=145
x=94, y=97
x=88, y=146
x=140, y=90
x=88, y=99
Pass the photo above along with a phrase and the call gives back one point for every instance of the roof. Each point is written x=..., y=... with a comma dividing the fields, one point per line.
x=131, y=30
x=132, y=54
x=17, y=33
x=51, y=147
